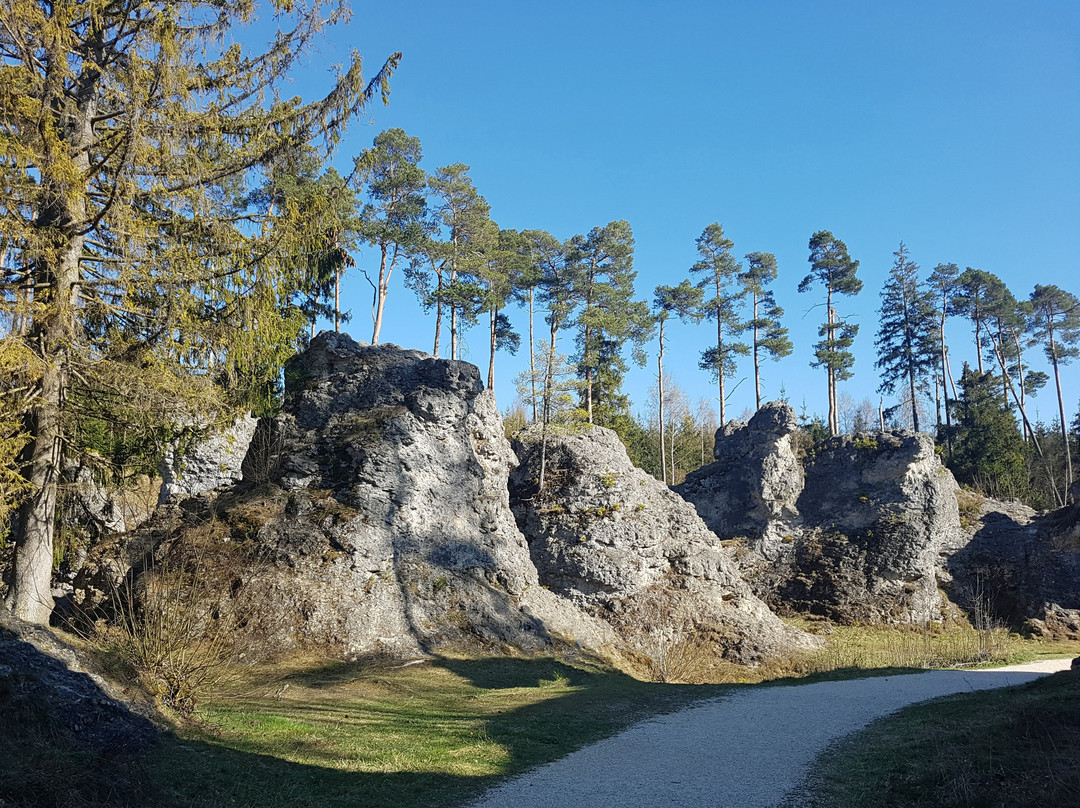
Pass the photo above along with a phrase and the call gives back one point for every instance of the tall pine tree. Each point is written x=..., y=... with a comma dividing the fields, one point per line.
x=768, y=334
x=834, y=269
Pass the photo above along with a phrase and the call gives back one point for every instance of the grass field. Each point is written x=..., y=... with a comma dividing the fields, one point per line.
x=1017, y=747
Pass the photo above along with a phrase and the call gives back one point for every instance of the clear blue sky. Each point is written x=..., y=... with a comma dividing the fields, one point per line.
x=953, y=126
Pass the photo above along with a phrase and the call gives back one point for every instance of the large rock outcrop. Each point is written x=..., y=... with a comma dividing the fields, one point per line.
x=207, y=457
x=858, y=531
x=614, y=540
x=753, y=487
x=374, y=518
x=1019, y=568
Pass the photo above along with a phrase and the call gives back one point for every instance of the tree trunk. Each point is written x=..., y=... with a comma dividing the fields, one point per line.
x=914, y=401
x=1061, y=415
x=944, y=376
x=453, y=332
x=491, y=345
x=660, y=391
x=720, y=357
x=380, y=295
x=337, y=300
x=757, y=367
x=532, y=357
x=438, y=314
x=588, y=374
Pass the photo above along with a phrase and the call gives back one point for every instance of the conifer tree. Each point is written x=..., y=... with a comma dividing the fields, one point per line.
x=128, y=127
x=905, y=344
x=608, y=317
x=719, y=273
x=768, y=333
x=977, y=292
x=833, y=268
x=1055, y=323
x=942, y=288
x=683, y=301
x=393, y=218
x=463, y=212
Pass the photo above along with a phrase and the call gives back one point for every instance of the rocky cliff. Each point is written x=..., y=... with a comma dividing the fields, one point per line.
x=373, y=518
x=858, y=531
x=1019, y=567
x=617, y=542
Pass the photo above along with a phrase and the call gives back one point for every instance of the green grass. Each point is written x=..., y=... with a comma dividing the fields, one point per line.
x=373, y=734
x=1016, y=747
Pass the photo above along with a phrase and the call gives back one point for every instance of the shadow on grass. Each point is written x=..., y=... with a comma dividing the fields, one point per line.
x=569, y=706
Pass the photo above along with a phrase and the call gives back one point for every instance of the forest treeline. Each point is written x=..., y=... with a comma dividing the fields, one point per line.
x=172, y=230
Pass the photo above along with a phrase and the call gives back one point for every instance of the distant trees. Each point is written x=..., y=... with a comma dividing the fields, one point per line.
x=905, y=343
x=684, y=302
x=834, y=269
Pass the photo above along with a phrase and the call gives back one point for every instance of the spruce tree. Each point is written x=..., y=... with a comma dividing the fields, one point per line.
x=129, y=130
x=767, y=332
x=905, y=343
x=834, y=269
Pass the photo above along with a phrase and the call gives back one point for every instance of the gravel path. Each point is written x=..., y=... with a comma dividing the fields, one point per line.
x=743, y=751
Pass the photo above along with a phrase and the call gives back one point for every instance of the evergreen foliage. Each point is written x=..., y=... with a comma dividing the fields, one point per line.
x=905, y=343
x=719, y=273
x=126, y=154
x=834, y=269
x=767, y=331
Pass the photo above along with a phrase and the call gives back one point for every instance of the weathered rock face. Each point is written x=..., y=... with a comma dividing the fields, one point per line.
x=857, y=533
x=374, y=516
x=1020, y=568
x=211, y=459
x=614, y=540
x=753, y=487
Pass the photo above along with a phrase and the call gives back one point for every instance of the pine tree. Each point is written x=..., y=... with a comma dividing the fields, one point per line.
x=463, y=212
x=905, y=344
x=128, y=129
x=833, y=268
x=719, y=273
x=604, y=275
x=768, y=333
x=942, y=288
x=393, y=218
x=977, y=292
x=1055, y=322
x=683, y=301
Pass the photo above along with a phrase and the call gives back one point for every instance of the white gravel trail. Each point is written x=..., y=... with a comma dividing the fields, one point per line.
x=746, y=750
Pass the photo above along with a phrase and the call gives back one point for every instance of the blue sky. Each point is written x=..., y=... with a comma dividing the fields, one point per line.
x=953, y=126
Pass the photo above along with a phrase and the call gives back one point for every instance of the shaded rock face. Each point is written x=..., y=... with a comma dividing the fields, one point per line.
x=858, y=532
x=373, y=518
x=213, y=459
x=614, y=540
x=1021, y=568
x=753, y=487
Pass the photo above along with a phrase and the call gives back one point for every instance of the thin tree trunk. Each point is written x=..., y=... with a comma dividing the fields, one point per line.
x=881, y=414
x=1061, y=414
x=1020, y=375
x=532, y=357
x=720, y=358
x=453, y=332
x=491, y=345
x=380, y=295
x=660, y=391
x=978, y=340
x=438, y=313
x=337, y=301
x=944, y=376
x=757, y=368
x=914, y=402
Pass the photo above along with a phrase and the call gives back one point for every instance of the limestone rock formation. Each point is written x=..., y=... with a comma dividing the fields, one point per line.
x=857, y=532
x=1019, y=567
x=753, y=487
x=373, y=518
x=208, y=458
x=614, y=540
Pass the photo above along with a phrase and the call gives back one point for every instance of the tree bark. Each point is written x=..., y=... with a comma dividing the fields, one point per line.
x=757, y=367
x=380, y=295
x=491, y=346
x=532, y=357
x=1061, y=414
